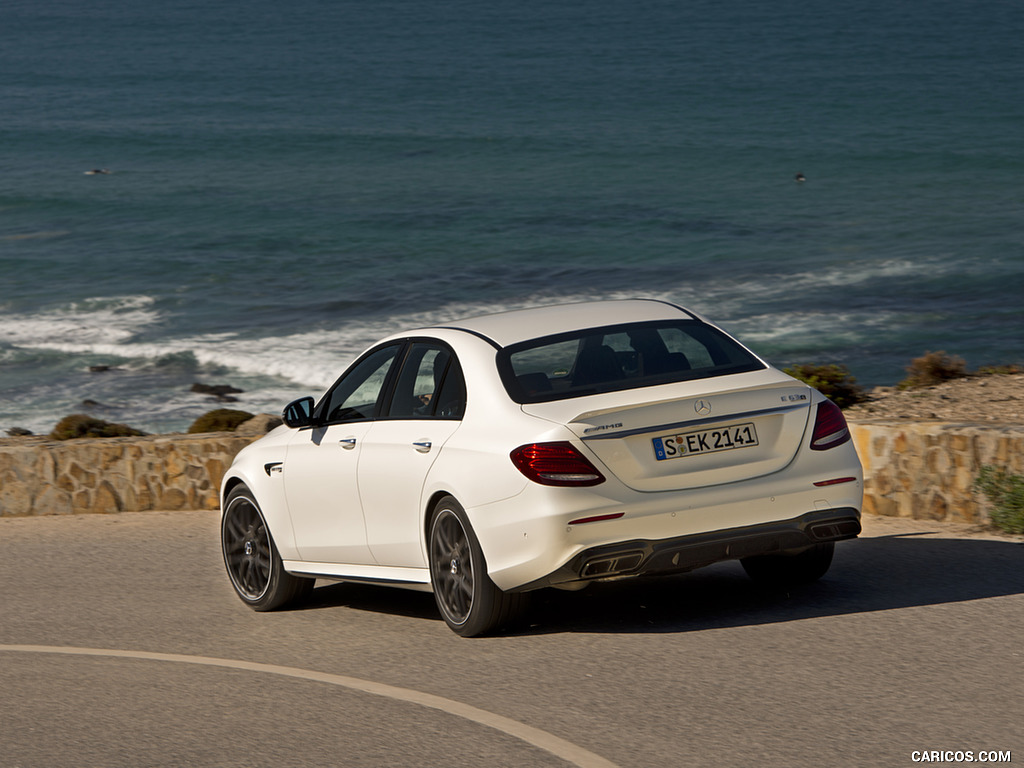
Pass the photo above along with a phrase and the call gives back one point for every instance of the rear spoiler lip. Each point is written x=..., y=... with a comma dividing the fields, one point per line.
x=677, y=425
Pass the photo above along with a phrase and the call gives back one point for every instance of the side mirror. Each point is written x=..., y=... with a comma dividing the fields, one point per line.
x=299, y=413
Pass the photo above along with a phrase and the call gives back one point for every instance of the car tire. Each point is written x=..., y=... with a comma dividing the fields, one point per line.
x=787, y=570
x=251, y=558
x=470, y=603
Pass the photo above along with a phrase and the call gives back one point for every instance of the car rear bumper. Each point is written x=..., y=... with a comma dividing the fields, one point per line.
x=684, y=553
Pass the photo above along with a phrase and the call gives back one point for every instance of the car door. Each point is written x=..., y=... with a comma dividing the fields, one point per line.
x=425, y=409
x=320, y=471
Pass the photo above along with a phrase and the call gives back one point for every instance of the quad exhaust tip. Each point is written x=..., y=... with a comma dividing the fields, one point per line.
x=833, y=531
x=609, y=566
x=691, y=552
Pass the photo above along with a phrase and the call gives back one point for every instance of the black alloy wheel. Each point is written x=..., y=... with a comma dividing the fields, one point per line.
x=451, y=567
x=469, y=601
x=251, y=559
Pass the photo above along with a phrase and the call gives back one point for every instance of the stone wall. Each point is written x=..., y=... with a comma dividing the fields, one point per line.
x=120, y=474
x=912, y=469
x=925, y=470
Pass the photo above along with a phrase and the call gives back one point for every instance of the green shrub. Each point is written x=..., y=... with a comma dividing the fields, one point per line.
x=933, y=368
x=1006, y=493
x=220, y=420
x=833, y=381
x=79, y=425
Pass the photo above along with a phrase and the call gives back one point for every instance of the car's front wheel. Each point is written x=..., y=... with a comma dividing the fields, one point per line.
x=788, y=570
x=251, y=558
x=469, y=601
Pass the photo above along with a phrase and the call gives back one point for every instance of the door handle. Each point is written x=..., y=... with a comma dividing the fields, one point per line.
x=422, y=445
x=348, y=443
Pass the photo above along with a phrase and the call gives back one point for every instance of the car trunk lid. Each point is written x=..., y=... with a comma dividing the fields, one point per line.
x=690, y=434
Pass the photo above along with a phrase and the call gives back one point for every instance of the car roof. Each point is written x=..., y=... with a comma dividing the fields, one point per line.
x=513, y=326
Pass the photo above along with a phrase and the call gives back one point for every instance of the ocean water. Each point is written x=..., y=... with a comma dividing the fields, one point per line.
x=289, y=182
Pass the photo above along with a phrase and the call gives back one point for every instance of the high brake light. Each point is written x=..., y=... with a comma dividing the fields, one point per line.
x=830, y=427
x=555, y=464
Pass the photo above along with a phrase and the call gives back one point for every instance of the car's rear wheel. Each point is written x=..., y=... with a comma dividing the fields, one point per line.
x=251, y=558
x=469, y=601
x=785, y=570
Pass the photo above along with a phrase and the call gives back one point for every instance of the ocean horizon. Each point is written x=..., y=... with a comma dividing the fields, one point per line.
x=196, y=193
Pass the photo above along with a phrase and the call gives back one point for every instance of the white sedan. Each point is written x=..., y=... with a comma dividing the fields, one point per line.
x=547, y=447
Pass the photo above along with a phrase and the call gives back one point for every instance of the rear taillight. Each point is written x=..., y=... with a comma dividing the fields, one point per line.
x=555, y=464
x=830, y=428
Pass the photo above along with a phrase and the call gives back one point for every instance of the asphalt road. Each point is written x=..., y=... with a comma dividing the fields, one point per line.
x=121, y=644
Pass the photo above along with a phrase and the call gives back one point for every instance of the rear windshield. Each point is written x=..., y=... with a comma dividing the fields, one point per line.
x=619, y=357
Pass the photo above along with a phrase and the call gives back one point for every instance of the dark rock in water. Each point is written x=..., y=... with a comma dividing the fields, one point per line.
x=91, y=404
x=221, y=392
x=19, y=432
x=99, y=368
x=216, y=389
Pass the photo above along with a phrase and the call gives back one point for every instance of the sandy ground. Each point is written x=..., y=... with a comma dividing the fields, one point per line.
x=995, y=399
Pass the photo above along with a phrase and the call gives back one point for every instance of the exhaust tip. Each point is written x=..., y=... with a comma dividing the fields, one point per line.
x=610, y=566
x=835, y=530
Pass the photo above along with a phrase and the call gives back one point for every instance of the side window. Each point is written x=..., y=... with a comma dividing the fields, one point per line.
x=429, y=386
x=354, y=397
x=451, y=400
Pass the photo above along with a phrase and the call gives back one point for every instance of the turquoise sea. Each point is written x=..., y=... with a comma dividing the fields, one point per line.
x=289, y=181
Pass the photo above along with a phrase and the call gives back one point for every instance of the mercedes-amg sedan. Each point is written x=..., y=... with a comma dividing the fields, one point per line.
x=546, y=447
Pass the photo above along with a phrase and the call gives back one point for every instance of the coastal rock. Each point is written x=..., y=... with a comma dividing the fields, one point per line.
x=220, y=420
x=80, y=425
x=259, y=424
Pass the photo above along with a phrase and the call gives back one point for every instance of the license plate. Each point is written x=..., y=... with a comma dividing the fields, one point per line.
x=705, y=441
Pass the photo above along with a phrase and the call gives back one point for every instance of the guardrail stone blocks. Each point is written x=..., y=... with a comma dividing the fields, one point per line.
x=915, y=469
x=39, y=476
x=926, y=470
